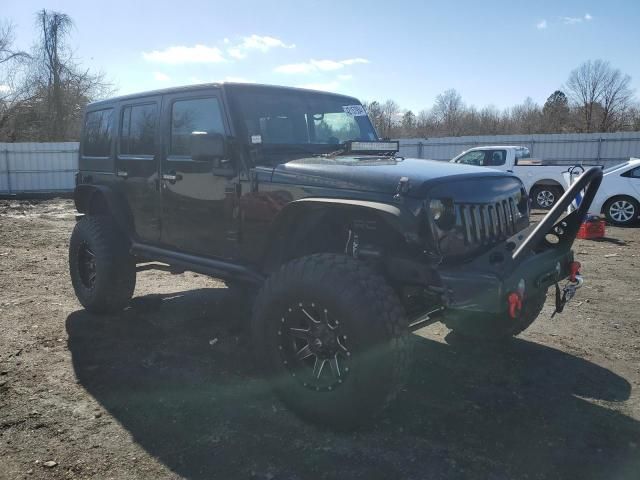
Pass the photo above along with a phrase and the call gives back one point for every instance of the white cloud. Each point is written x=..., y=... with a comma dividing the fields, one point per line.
x=345, y=76
x=255, y=42
x=318, y=65
x=571, y=20
x=574, y=20
x=180, y=54
x=5, y=88
x=161, y=77
x=326, y=86
x=541, y=25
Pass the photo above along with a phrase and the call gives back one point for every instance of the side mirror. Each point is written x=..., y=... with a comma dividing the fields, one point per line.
x=207, y=146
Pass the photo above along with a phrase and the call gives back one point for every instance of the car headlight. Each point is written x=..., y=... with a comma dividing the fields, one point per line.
x=437, y=209
x=442, y=212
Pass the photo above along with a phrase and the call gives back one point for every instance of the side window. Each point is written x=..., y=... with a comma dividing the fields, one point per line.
x=522, y=153
x=188, y=116
x=138, y=131
x=473, y=158
x=495, y=158
x=98, y=127
x=635, y=173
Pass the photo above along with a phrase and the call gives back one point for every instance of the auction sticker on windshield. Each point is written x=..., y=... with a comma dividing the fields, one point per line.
x=354, y=110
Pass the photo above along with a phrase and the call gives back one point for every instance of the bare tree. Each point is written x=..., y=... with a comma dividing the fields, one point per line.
x=11, y=59
x=526, y=117
x=585, y=86
x=616, y=99
x=53, y=89
x=601, y=94
x=390, y=114
x=7, y=52
x=55, y=65
x=448, y=111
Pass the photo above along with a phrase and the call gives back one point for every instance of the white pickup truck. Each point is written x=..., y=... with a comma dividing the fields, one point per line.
x=543, y=182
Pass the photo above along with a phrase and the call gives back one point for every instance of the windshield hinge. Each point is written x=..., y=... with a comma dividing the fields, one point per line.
x=403, y=188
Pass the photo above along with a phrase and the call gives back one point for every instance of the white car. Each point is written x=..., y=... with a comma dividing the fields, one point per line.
x=619, y=194
x=544, y=182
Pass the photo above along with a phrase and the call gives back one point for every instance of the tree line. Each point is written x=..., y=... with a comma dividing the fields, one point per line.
x=43, y=92
x=595, y=98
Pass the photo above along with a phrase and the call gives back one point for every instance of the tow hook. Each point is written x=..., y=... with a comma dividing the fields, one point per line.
x=514, y=300
x=569, y=290
x=515, y=304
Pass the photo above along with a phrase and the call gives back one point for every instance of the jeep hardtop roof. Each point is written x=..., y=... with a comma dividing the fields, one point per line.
x=203, y=86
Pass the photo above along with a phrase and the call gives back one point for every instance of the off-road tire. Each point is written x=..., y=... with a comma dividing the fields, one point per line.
x=366, y=307
x=632, y=202
x=114, y=271
x=538, y=190
x=502, y=329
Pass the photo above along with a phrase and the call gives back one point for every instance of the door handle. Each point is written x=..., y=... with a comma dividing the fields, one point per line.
x=122, y=173
x=171, y=177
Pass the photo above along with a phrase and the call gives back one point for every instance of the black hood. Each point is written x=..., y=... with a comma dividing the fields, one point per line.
x=374, y=174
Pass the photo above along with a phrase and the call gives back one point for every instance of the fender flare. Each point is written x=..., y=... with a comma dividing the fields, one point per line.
x=398, y=219
x=548, y=182
x=85, y=194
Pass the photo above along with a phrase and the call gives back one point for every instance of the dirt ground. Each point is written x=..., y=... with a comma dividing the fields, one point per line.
x=167, y=389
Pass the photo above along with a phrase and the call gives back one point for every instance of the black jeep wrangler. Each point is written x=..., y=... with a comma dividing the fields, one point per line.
x=290, y=193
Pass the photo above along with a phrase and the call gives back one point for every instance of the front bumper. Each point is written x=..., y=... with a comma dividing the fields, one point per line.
x=527, y=263
x=471, y=293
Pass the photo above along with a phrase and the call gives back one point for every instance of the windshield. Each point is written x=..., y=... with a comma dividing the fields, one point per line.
x=271, y=116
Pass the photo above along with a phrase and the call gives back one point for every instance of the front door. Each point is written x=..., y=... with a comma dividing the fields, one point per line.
x=198, y=204
x=137, y=155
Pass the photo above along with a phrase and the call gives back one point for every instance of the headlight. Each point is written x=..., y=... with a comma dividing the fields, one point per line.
x=442, y=213
x=437, y=209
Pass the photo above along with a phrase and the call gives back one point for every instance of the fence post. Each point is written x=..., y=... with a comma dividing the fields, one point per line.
x=7, y=169
x=533, y=143
x=420, y=149
x=599, y=149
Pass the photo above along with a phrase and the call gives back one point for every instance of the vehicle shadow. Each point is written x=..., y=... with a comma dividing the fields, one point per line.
x=615, y=241
x=176, y=372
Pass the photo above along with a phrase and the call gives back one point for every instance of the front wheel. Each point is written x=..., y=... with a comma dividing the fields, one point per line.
x=332, y=337
x=621, y=211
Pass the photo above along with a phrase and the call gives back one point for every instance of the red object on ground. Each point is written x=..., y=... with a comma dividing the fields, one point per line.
x=592, y=228
x=574, y=269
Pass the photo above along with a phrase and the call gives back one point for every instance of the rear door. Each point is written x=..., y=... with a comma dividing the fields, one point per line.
x=137, y=165
x=198, y=205
x=633, y=177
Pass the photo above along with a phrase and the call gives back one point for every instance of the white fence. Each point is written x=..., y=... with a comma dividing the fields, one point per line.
x=572, y=148
x=51, y=167
x=37, y=167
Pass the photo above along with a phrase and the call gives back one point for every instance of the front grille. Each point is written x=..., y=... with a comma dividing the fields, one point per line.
x=485, y=224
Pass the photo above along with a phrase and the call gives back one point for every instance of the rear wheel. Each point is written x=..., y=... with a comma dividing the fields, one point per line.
x=332, y=337
x=102, y=272
x=545, y=196
x=622, y=211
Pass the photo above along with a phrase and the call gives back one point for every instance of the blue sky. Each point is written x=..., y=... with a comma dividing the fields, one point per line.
x=493, y=53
